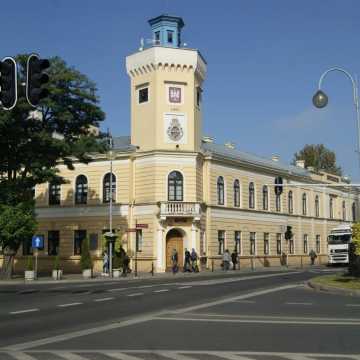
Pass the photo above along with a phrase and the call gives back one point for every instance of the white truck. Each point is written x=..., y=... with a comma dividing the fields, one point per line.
x=338, y=244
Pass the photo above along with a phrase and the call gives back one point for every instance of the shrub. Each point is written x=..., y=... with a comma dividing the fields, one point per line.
x=29, y=263
x=57, y=263
x=85, y=261
x=354, y=251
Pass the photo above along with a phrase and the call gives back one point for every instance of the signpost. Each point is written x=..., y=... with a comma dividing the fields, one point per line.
x=37, y=242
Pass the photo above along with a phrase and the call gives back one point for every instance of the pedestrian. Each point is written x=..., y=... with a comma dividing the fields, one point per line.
x=234, y=258
x=194, y=258
x=174, y=260
x=226, y=260
x=126, y=261
x=313, y=256
x=105, y=262
x=187, y=257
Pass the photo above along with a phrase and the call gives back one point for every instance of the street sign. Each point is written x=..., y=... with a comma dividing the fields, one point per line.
x=142, y=226
x=37, y=242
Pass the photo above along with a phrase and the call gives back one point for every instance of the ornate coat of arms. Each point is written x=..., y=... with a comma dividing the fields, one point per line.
x=175, y=131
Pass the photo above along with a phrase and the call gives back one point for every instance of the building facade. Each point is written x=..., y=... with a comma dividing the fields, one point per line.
x=174, y=188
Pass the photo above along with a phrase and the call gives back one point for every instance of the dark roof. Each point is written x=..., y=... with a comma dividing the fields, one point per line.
x=167, y=17
x=234, y=154
x=123, y=143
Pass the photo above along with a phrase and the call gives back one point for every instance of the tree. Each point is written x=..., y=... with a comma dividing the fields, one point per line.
x=85, y=260
x=32, y=142
x=319, y=157
x=354, y=253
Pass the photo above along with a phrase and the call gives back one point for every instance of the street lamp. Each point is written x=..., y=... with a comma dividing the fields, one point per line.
x=320, y=99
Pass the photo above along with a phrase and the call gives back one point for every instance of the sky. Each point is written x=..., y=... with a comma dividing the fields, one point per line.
x=264, y=57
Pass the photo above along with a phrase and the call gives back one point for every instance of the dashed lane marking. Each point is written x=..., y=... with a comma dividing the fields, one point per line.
x=69, y=304
x=136, y=294
x=184, y=287
x=161, y=290
x=353, y=305
x=117, y=289
x=104, y=299
x=299, y=303
x=23, y=311
x=245, y=301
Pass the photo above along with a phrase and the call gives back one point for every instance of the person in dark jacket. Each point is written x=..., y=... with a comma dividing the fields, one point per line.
x=234, y=258
x=174, y=261
x=187, y=266
x=313, y=256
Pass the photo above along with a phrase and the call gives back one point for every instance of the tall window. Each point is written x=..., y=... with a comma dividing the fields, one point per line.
x=53, y=242
x=265, y=198
x=220, y=190
x=170, y=36
x=305, y=244
x=81, y=190
x=79, y=237
x=54, y=194
x=278, y=244
x=317, y=206
x=304, y=204
x=251, y=195
x=291, y=246
x=175, y=186
x=221, y=240
x=318, y=247
x=278, y=203
x=353, y=211
x=106, y=188
x=331, y=207
x=252, y=243
x=266, y=244
x=290, y=202
x=237, y=239
x=236, y=193
x=344, y=211
x=143, y=95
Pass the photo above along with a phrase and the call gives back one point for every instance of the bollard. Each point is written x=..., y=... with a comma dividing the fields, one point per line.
x=212, y=265
x=252, y=264
x=136, y=273
x=152, y=268
x=301, y=261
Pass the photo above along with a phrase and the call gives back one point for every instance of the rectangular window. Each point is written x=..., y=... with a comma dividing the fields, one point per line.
x=170, y=36
x=252, y=243
x=278, y=244
x=221, y=240
x=26, y=246
x=139, y=240
x=157, y=37
x=54, y=194
x=291, y=246
x=53, y=242
x=143, y=95
x=266, y=243
x=305, y=244
x=318, y=243
x=237, y=238
x=198, y=96
x=79, y=237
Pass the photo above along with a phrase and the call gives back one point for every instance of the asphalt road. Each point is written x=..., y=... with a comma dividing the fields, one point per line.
x=269, y=315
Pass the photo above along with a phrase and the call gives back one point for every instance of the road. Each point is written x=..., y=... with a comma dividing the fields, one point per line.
x=262, y=315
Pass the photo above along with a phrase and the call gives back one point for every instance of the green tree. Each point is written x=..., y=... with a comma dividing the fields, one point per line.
x=319, y=157
x=85, y=260
x=17, y=222
x=32, y=142
x=354, y=253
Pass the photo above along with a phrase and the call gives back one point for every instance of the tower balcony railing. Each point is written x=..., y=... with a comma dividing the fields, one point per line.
x=180, y=209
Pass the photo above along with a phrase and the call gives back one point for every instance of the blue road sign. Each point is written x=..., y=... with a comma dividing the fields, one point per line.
x=37, y=242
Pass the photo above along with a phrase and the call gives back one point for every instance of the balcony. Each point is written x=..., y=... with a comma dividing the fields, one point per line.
x=180, y=209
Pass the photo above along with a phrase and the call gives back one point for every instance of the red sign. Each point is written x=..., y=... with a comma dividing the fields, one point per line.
x=142, y=226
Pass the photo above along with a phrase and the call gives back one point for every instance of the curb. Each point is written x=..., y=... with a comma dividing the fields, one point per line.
x=333, y=289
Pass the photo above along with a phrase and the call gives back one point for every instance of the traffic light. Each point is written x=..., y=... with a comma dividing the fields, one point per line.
x=8, y=83
x=36, y=78
x=288, y=233
x=278, y=185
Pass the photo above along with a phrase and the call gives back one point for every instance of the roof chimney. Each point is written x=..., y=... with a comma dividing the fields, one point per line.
x=275, y=158
x=300, y=163
x=230, y=145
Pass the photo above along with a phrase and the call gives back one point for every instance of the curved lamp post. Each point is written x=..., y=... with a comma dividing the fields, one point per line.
x=320, y=99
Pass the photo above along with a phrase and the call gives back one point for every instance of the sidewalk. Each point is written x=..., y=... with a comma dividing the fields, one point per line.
x=77, y=278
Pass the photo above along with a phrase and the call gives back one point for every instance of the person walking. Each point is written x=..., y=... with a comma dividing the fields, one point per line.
x=126, y=262
x=313, y=256
x=234, y=258
x=105, y=262
x=194, y=258
x=187, y=266
x=226, y=260
x=174, y=261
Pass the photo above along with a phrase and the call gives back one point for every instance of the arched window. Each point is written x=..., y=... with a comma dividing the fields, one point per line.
x=106, y=188
x=175, y=186
x=278, y=203
x=265, y=198
x=344, y=211
x=331, y=207
x=317, y=208
x=251, y=196
x=353, y=211
x=304, y=204
x=220, y=190
x=81, y=190
x=290, y=202
x=54, y=194
x=236, y=193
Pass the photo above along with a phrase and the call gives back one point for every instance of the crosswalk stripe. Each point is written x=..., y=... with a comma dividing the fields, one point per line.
x=121, y=356
x=21, y=356
x=70, y=356
x=176, y=356
x=230, y=356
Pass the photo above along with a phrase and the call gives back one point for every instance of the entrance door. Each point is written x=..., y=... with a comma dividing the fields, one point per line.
x=174, y=240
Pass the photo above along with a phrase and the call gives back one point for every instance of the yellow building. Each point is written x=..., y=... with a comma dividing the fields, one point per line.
x=174, y=188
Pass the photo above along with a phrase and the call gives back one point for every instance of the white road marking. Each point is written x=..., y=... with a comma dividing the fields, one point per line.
x=160, y=291
x=185, y=287
x=58, y=288
x=23, y=311
x=136, y=294
x=298, y=303
x=21, y=356
x=145, y=286
x=104, y=299
x=246, y=301
x=71, y=356
x=176, y=356
x=116, y=289
x=352, y=305
x=69, y=304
